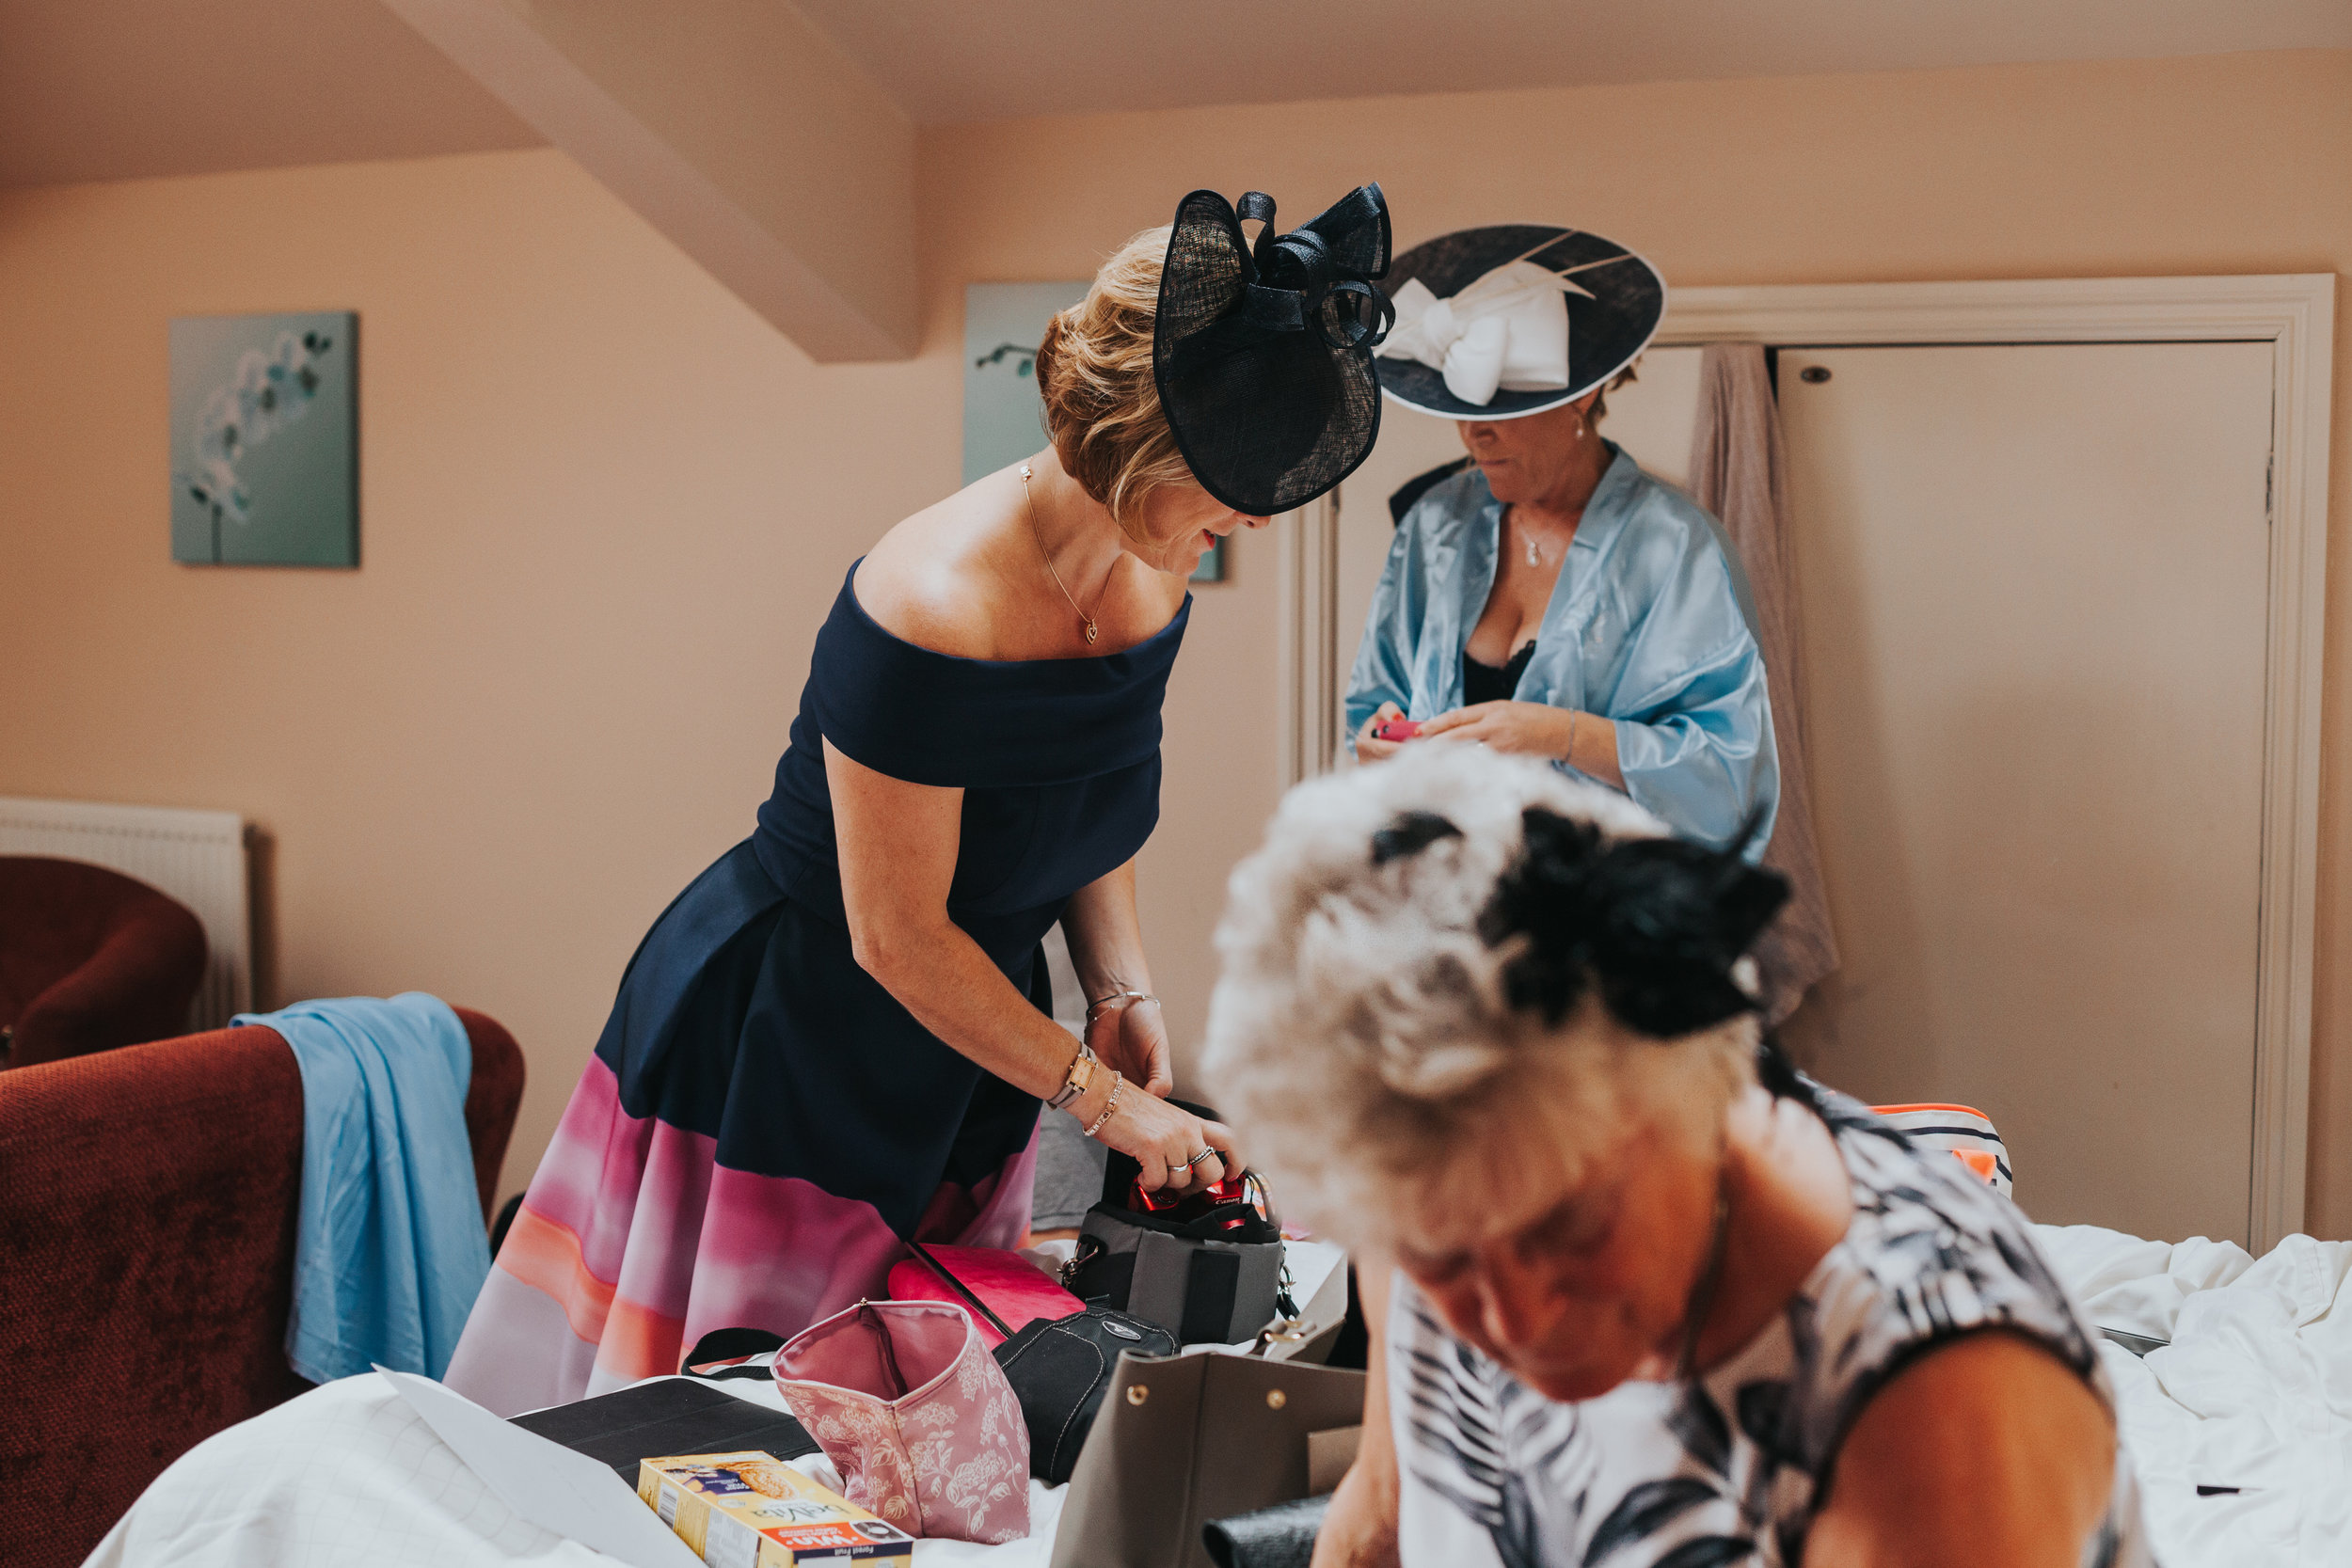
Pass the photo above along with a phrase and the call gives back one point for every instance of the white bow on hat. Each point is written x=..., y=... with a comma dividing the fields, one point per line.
x=1508, y=329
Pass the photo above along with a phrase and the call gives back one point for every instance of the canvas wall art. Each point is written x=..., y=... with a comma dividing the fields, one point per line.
x=265, y=441
x=1003, y=418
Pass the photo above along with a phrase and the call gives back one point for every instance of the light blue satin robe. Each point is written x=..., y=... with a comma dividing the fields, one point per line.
x=1650, y=624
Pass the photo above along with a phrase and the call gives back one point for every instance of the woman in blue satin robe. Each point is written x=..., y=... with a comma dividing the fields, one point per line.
x=1550, y=598
x=1644, y=656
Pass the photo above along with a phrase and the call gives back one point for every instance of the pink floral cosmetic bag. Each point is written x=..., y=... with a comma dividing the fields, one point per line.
x=907, y=1403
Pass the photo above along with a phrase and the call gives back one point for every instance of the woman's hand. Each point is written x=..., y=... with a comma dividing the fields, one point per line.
x=1162, y=1138
x=1130, y=1036
x=1133, y=1037
x=1368, y=747
x=1360, y=1531
x=1523, y=729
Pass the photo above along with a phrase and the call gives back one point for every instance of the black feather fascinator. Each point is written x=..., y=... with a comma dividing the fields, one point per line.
x=1657, y=924
x=1263, y=353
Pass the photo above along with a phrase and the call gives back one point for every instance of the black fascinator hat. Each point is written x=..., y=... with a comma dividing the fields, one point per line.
x=1263, y=354
x=1511, y=319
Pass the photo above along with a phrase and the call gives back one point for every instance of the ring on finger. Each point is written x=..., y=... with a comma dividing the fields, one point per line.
x=1204, y=1154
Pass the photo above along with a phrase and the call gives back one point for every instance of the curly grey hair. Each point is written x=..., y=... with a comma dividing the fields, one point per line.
x=1360, y=1038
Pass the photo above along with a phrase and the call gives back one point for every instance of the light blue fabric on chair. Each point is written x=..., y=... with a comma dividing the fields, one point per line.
x=390, y=1250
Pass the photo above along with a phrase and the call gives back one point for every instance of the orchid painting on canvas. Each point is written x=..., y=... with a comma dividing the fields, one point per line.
x=264, y=440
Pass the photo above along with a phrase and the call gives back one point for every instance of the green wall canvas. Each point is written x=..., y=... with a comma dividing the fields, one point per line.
x=1003, y=417
x=265, y=439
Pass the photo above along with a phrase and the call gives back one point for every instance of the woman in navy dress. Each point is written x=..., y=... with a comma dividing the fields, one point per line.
x=837, y=1038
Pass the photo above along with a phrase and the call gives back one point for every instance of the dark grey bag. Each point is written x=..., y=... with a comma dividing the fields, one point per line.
x=1199, y=1281
x=1185, y=1440
x=1213, y=1277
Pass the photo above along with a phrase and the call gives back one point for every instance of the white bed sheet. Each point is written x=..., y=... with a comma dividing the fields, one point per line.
x=348, y=1475
x=2254, y=1392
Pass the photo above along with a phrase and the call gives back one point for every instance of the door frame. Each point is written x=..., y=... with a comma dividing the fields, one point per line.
x=2295, y=314
x=1308, y=647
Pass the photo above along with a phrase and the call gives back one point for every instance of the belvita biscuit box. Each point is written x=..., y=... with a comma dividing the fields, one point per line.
x=751, y=1509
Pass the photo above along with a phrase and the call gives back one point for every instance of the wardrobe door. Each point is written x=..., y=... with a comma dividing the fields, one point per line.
x=2033, y=583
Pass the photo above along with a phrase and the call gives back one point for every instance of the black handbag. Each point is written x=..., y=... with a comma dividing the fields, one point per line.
x=1282, y=1536
x=1059, y=1371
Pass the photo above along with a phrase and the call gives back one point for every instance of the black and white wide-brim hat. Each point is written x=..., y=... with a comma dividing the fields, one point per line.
x=1509, y=320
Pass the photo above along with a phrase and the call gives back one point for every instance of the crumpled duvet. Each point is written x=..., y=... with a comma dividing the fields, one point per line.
x=2241, y=1426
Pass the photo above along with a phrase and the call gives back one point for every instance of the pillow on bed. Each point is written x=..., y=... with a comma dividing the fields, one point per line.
x=1966, y=1133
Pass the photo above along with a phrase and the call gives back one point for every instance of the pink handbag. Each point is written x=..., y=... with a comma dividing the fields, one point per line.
x=907, y=1403
x=1004, y=1290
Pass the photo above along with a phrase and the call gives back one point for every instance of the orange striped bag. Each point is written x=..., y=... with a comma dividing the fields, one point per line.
x=1966, y=1132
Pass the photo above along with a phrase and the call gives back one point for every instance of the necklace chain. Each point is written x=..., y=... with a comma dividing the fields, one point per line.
x=1039, y=534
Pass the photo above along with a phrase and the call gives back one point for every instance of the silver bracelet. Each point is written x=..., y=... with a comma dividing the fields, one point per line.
x=1570, y=758
x=1117, y=1082
x=1130, y=997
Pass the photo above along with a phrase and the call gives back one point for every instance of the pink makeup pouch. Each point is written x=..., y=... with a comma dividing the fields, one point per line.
x=915, y=1413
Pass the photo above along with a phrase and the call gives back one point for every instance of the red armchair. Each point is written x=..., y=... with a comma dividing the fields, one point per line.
x=90, y=960
x=147, y=1231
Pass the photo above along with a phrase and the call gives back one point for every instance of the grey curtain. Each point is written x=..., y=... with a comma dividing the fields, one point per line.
x=1738, y=471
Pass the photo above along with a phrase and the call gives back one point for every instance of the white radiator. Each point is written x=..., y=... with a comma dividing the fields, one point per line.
x=198, y=856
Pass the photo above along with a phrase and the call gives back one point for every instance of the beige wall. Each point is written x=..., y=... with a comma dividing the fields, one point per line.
x=604, y=506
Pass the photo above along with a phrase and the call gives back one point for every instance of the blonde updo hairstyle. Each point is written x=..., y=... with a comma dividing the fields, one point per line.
x=1360, y=1040
x=1101, y=405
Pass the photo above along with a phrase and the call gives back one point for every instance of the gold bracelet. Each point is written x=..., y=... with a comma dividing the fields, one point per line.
x=1570, y=758
x=1117, y=1082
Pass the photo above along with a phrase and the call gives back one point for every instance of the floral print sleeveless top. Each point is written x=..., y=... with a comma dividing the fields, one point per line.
x=1728, y=1468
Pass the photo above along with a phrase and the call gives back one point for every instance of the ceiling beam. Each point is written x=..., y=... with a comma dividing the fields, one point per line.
x=736, y=129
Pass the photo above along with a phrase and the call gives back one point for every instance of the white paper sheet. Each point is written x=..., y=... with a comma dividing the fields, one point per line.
x=560, y=1491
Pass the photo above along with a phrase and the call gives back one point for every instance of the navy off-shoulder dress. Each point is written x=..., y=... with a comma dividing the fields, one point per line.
x=763, y=1126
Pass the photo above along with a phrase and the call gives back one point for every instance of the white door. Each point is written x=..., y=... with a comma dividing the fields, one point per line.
x=2033, y=587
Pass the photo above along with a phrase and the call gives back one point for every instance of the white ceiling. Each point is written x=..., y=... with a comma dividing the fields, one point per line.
x=951, y=61
x=107, y=89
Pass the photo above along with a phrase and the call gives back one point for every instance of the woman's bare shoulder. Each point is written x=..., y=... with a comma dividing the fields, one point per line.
x=931, y=581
